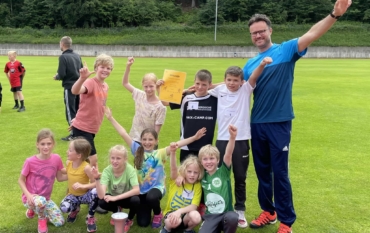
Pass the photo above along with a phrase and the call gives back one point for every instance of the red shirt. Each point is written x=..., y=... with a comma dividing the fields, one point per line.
x=16, y=70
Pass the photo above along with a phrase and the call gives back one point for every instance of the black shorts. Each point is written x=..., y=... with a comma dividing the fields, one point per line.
x=15, y=89
x=180, y=227
x=88, y=136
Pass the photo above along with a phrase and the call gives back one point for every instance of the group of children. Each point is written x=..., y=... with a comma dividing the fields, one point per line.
x=199, y=189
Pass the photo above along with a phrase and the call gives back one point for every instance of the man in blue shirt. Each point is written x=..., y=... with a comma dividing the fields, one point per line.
x=272, y=114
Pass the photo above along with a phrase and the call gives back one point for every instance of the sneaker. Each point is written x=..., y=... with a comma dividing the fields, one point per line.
x=22, y=109
x=68, y=138
x=202, y=209
x=164, y=230
x=42, y=226
x=90, y=222
x=284, y=229
x=100, y=210
x=72, y=216
x=30, y=213
x=264, y=219
x=157, y=220
x=15, y=107
x=242, y=222
x=128, y=224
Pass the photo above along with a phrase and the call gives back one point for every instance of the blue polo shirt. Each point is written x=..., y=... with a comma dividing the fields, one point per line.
x=273, y=92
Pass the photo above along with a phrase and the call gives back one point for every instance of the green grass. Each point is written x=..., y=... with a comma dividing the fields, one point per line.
x=329, y=152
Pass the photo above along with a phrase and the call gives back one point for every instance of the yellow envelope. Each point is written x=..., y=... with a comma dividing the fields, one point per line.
x=171, y=90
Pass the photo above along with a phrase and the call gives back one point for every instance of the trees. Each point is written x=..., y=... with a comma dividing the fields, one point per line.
x=117, y=13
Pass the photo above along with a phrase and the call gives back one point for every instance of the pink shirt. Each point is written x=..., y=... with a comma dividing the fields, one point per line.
x=91, y=110
x=40, y=175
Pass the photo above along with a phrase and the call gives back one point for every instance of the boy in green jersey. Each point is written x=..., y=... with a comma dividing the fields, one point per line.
x=220, y=215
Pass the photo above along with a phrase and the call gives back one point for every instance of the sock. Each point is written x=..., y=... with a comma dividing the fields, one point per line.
x=22, y=103
x=16, y=103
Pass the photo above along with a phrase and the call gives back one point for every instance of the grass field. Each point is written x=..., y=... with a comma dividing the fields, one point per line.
x=329, y=152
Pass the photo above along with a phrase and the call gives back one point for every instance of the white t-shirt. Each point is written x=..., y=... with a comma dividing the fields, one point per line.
x=233, y=108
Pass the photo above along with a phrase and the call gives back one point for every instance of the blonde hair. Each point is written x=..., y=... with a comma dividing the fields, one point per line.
x=118, y=149
x=209, y=150
x=105, y=60
x=189, y=161
x=149, y=77
x=83, y=147
x=66, y=41
x=45, y=133
x=12, y=53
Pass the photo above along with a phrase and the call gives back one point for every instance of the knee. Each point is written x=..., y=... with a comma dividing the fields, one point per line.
x=40, y=201
x=135, y=201
x=65, y=207
x=195, y=217
x=231, y=218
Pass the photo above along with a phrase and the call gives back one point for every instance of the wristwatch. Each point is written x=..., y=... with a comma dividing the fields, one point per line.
x=333, y=16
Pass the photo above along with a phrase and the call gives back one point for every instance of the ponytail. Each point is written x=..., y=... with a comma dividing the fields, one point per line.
x=139, y=157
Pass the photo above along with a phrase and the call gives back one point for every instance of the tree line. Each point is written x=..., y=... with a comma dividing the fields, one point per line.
x=134, y=13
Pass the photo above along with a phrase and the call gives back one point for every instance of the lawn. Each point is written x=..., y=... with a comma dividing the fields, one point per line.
x=329, y=160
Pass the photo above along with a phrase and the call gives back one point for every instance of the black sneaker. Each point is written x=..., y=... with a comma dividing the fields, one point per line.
x=72, y=216
x=100, y=210
x=22, y=109
x=68, y=138
x=15, y=107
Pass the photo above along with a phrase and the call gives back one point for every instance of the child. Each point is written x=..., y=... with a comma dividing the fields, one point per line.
x=149, y=111
x=81, y=183
x=118, y=186
x=217, y=188
x=233, y=109
x=15, y=73
x=93, y=97
x=149, y=164
x=182, y=202
x=198, y=109
x=37, y=179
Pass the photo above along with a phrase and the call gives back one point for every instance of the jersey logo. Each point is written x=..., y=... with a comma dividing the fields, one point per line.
x=216, y=182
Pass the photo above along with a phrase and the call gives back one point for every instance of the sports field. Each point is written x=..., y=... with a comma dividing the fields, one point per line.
x=329, y=163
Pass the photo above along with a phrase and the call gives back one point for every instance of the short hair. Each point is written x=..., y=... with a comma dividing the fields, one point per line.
x=259, y=18
x=203, y=75
x=66, y=41
x=149, y=77
x=12, y=53
x=105, y=60
x=209, y=150
x=83, y=147
x=45, y=133
x=189, y=161
x=118, y=149
x=235, y=71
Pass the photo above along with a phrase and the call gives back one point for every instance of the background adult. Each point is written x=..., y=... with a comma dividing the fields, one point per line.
x=272, y=114
x=68, y=72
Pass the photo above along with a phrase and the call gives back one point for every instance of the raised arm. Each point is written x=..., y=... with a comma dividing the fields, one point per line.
x=230, y=145
x=158, y=85
x=324, y=25
x=78, y=87
x=174, y=172
x=200, y=133
x=121, y=131
x=258, y=71
x=125, y=81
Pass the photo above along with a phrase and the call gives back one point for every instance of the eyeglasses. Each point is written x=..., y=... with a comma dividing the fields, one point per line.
x=261, y=32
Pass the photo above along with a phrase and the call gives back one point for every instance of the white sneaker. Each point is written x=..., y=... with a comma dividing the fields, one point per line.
x=242, y=222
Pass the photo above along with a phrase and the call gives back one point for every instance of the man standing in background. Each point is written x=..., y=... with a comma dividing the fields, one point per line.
x=68, y=72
